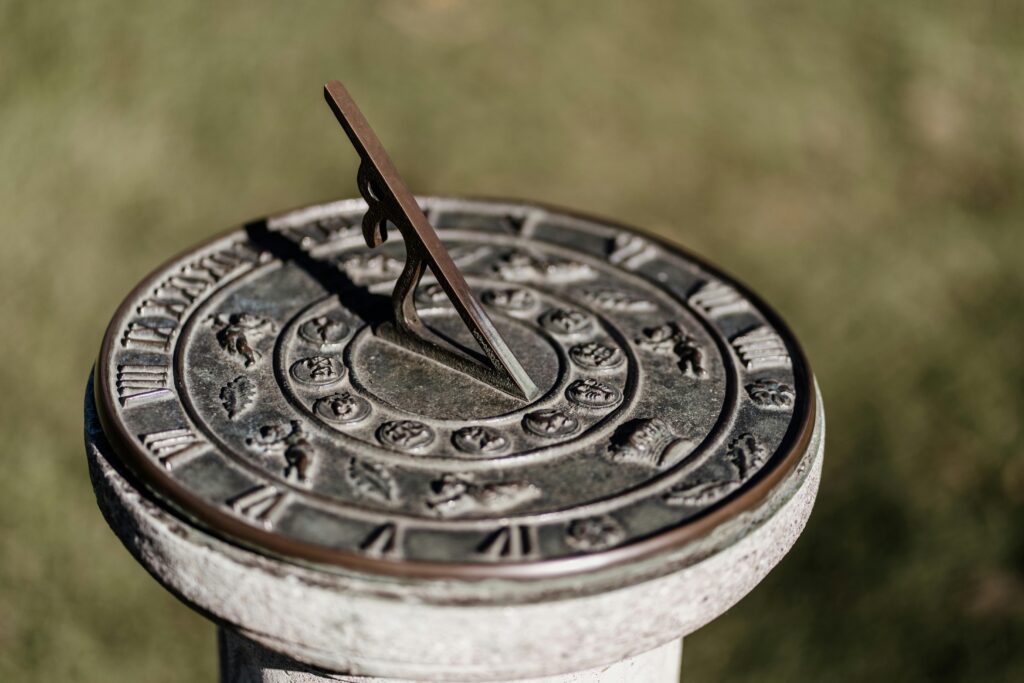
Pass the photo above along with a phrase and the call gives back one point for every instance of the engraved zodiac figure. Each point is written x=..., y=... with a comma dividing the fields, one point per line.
x=670, y=338
x=235, y=330
x=289, y=441
x=453, y=495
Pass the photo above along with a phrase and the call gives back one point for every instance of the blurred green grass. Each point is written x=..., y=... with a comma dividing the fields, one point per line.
x=859, y=163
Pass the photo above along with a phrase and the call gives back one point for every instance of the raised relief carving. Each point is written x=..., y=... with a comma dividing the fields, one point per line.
x=518, y=266
x=761, y=348
x=715, y=299
x=161, y=312
x=511, y=299
x=173, y=447
x=511, y=543
x=453, y=495
x=372, y=480
x=261, y=504
x=618, y=300
x=237, y=396
x=649, y=442
x=317, y=370
x=149, y=333
x=325, y=330
x=594, y=533
x=371, y=267
x=564, y=322
x=236, y=334
x=592, y=393
x=385, y=542
x=550, y=423
x=139, y=383
x=290, y=442
x=405, y=435
x=596, y=356
x=770, y=393
x=744, y=456
x=342, y=408
x=630, y=250
x=479, y=440
x=670, y=339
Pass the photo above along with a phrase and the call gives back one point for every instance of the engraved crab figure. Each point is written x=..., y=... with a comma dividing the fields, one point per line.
x=235, y=334
x=289, y=441
x=670, y=338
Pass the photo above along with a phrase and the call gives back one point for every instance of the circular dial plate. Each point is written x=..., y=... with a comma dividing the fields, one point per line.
x=243, y=381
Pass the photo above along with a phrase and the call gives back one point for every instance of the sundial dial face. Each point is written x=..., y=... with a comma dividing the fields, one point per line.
x=246, y=384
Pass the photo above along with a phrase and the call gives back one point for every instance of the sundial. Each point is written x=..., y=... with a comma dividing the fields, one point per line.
x=451, y=401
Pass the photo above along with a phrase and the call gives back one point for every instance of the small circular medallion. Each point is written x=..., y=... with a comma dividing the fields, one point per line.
x=318, y=370
x=405, y=435
x=479, y=440
x=596, y=355
x=551, y=423
x=593, y=393
x=566, y=322
x=342, y=408
x=431, y=294
x=324, y=330
x=595, y=533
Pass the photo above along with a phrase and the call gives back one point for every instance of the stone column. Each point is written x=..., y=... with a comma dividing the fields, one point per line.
x=284, y=621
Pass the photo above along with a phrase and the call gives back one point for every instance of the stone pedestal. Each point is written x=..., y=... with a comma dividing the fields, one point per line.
x=284, y=621
x=245, y=661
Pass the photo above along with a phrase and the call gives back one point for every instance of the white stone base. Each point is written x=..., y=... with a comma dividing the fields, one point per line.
x=376, y=629
x=245, y=661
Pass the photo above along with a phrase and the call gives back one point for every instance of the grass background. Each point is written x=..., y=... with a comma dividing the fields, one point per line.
x=859, y=163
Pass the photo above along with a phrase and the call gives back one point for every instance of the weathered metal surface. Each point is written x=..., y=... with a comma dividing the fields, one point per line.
x=244, y=383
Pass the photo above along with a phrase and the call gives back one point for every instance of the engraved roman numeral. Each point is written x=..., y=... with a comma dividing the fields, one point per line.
x=761, y=348
x=384, y=541
x=172, y=308
x=173, y=447
x=262, y=504
x=630, y=251
x=149, y=334
x=513, y=543
x=140, y=383
x=716, y=299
